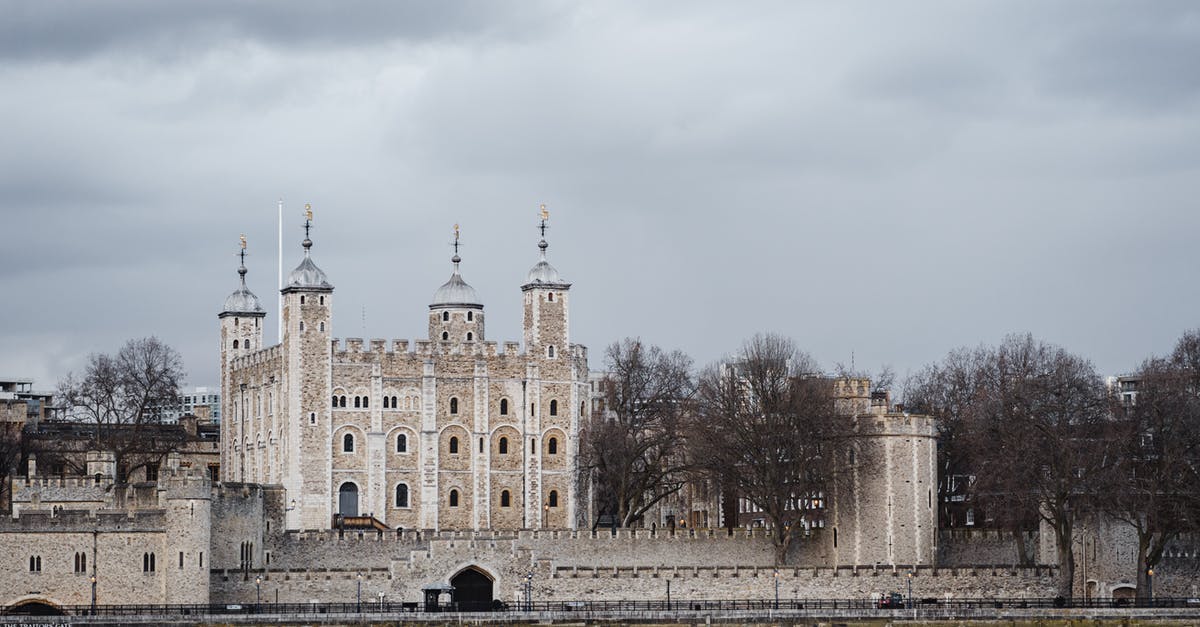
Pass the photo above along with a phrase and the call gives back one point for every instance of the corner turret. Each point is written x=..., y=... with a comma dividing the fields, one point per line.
x=456, y=313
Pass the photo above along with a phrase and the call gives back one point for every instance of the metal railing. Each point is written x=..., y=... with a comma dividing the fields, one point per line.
x=812, y=607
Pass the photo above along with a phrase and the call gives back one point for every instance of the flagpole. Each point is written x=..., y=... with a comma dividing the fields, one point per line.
x=279, y=249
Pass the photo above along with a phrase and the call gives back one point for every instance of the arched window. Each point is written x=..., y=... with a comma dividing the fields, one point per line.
x=554, y=498
x=550, y=297
x=453, y=405
x=312, y=417
x=582, y=407
x=401, y=495
x=445, y=335
x=148, y=562
x=454, y=498
x=358, y=401
x=504, y=407
x=550, y=351
x=302, y=299
x=470, y=336
x=366, y=402
x=401, y=443
x=348, y=443
x=552, y=446
x=553, y=408
x=505, y=498
x=385, y=402
x=503, y=446
x=35, y=563
x=342, y=401
x=322, y=326
x=445, y=316
x=235, y=343
x=470, y=316
x=453, y=445
x=394, y=405
x=335, y=400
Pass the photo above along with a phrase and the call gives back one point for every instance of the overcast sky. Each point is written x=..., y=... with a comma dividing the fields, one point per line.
x=881, y=181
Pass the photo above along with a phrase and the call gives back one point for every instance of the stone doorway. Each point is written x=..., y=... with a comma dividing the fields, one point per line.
x=472, y=590
x=348, y=499
x=35, y=608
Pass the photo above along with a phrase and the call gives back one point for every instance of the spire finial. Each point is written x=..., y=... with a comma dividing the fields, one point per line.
x=242, y=259
x=455, y=239
x=542, y=227
x=307, y=243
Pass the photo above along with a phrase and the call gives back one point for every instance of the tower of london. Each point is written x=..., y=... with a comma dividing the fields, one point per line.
x=454, y=431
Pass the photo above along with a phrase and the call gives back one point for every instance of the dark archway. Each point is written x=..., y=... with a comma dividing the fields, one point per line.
x=348, y=499
x=472, y=591
x=35, y=608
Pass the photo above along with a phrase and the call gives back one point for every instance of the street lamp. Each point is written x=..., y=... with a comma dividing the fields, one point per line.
x=258, y=588
x=359, y=604
x=381, y=595
x=529, y=591
x=668, y=595
x=1150, y=585
x=909, y=598
x=776, y=588
x=93, y=580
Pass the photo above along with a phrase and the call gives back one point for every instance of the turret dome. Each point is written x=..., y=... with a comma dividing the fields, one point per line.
x=455, y=292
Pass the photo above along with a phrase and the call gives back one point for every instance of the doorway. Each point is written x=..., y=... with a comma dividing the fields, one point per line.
x=348, y=499
x=472, y=590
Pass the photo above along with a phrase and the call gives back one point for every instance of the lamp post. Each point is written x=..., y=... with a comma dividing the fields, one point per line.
x=529, y=591
x=359, y=603
x=776, y=588
x=1150, y=586
x=668, y=595
x=908, y=599
x=258, y=589
x=93, y=580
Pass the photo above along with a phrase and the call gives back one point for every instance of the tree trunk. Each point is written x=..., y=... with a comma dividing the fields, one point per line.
x=1066, y=564
x=1022, y=548
x=1143, y=566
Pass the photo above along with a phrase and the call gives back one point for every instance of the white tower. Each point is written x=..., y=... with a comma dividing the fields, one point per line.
x=241, y=334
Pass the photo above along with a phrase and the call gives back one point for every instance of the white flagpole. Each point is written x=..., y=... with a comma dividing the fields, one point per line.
x=279, y=249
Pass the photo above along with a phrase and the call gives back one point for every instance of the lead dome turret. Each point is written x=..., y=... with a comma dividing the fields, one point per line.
x=455, y=292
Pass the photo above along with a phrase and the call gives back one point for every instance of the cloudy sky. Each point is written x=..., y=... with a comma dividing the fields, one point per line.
x=881, y=181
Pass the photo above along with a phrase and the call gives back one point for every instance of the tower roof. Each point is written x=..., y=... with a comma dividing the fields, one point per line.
x=542, y=274
x=242, y=300
x=456, y=292
x=307, y=275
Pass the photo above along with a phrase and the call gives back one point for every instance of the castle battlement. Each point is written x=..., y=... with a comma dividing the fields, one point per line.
x=85, y=521
x=350, y=346
x=261, y=356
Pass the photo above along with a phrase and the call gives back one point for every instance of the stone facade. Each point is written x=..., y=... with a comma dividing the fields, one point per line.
x=452, y=432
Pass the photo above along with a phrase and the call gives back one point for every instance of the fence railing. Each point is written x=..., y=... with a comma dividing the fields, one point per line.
x=806, y=606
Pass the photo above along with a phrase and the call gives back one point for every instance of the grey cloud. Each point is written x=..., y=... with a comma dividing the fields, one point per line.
x=66, y=31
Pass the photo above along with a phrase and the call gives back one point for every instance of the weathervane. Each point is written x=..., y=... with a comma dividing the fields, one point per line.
x=545, y=216
x=307, y=218
x=455, y=239
x=242, y=254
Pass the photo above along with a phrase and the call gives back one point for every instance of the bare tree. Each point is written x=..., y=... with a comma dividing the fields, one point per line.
x=949, y=391
x=12, y=449
x=1039, y=437
x=1156, y=487
x=123, y=396
x=765, y=429
x=633, y=448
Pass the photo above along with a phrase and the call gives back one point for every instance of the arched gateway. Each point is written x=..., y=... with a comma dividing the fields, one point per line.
x=34, y=607
x=472, y=590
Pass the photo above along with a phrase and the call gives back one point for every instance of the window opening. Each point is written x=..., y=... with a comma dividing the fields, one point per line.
x=504, y=446
x=401, y=495
x=401, y=443
x=554, y=498
x=505, y=498
x=348, y=443
x=552, y=446
x=454, y=498
x=453, y=445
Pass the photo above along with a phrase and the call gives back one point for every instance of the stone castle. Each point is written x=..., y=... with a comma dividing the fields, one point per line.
x=393, y=469
x=451, y=432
